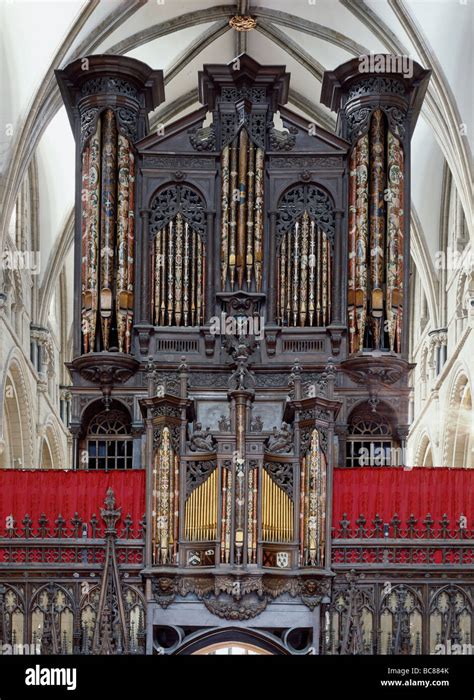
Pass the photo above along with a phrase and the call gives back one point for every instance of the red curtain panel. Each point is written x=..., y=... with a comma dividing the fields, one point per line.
x=55, y=492
x=389, y=490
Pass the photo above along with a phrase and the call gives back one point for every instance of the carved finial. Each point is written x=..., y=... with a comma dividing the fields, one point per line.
x=110, y=514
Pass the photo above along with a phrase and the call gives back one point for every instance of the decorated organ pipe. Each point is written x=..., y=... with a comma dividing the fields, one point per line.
x=241, y=240
x=305, y=274
x=313, y=504
x=378, y=102
x=277, y=511
x=201, y=511
x=178, y=282
x=226, y=514
x=108, y=238
x=376, y=233
x=165, y=499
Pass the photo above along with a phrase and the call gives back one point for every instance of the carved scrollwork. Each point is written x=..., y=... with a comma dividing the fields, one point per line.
x=232, y=94
x=282, y=474
x=166, y=410
x=396, y=120
x=172, y=162
x=310, y=198
x=358, y=122
x=197, y=473
x=178, y=198
x=255, y=123
x=377, y=86
x=115, y=86
x=88, y=124
x=127, y=122
x=305, y=163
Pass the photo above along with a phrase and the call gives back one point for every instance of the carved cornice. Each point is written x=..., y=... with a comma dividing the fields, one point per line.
x=233, y=597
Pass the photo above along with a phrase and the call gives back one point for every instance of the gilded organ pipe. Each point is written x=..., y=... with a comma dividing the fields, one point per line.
x=178, y=275
x=361, y=241
x=225, y=214
x=234, y=196
x=259, y=194
x=377, y=224
x=351, y=304
x=313, y=504
x=250, y=214
x=165, y=511
x=90, y=237
x=304, y=266
x=241, y=245
x=395, y=226
x=107, y=223
x=200, y=519
x=226, y=518
x=277, y=511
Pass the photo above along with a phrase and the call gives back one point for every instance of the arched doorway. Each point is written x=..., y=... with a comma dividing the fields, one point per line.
x=232, y=649
x=231, y=642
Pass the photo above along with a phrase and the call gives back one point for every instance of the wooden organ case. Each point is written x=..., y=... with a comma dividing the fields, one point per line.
x=241, y=286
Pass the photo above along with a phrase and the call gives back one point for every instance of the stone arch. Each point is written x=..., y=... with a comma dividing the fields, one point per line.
x=424, y=452
x=51, y=452
x=458, y=439
x=17, y=416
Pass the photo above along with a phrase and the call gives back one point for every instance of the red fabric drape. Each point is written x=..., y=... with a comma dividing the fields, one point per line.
x=390, y=490
x=367, y=491
x=55, y=492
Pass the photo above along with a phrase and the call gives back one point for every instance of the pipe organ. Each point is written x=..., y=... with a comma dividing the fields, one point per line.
x=241, y=296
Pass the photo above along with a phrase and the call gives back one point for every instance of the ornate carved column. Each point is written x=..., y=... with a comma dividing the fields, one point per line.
x=241, y=393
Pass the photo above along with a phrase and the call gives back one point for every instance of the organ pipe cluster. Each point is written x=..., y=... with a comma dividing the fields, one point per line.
x=201, y=511
x=304, y=275
x=376, y=221
x=242, y=165
x=108, y=238
x=313, y=505
x=277, y=511
x=165, y=513
x=179, y=275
